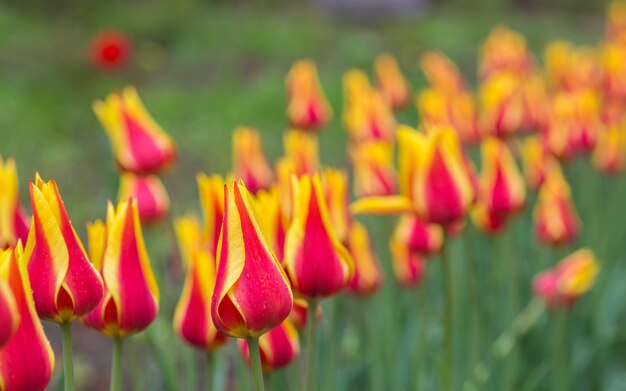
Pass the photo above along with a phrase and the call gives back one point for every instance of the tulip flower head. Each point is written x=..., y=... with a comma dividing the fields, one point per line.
x=501, y=105
x=374, y=172
x=139, y=143
x=609, y=154
x=249, y=162
x=192, y=317
x=536, y=161
x=408, y=266
x=65, y=284
x=302, y=150
x=14, y=224
x=368, y=276
x=563, y=285
x=569, y=68
x=486, y=220
x=26, y=359
x=131, y=299
x=279, y=347
x=613, y=80
x=150, y=194
x=307, y=107
x=252, y=293
x=418, y=235
x=441, y=73
x=210, y=189
x=337, y=194
x=390, y=81
x=110, y=50
x=317, y=263
x=369, y=118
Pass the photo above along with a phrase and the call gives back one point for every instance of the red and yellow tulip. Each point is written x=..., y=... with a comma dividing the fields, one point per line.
x=390, y=81
x=14, y=224
x=149, y=192
x=192, y=317
x=374, y=173
x=368, y=276
x=307, y=107
x=442, y=74
x=9, y=315
x=302, y=151
x=131, y=299
x=569, y=68
x=337, y=194
x=317, y=263
x=65, y=284
x=300, y=312
x=536, y=161
x=408, y=266
x=504, y=51
x=609, y=154
x=252, y=293
x=26, y=359
x=139, y=143
x=249, y=162
x=211, y=189
x=418, y=235
x=279, y=347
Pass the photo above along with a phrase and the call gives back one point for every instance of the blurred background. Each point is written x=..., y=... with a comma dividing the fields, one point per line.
x=204, y=67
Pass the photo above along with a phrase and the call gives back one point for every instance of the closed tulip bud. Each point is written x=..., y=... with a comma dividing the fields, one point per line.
x=192, y=317
x=501, y=105
x=486, y=220
x=374, y=172
x=609, y=155
x=504, y=51
x=279, y=347
x=302, y=150
x=457, y=109
x=556, y=220
x=418, y=235
x=317, y=263
x=249, y=162
x=368, y=276
x=139, y=143
x=252, y=293
x=441, y=73
x=65, y=284
x=26, y=359
x=9, y=315
x=536, y=161
x=131, y=299
x=300, y=312
x=274, y=220
x=211, y=196
x=307, y=107
x=335, y=183
x=370, y=118
x=574, y=276
x=391, y=83
x=14, y=224
x=569, y=68
x=408, y=266
x=150, y=194
x=502, y=187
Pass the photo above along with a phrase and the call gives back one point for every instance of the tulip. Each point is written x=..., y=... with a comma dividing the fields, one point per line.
x=252, y=293
x=368, y=276
x=391, y=83
x=65, y=284
x=335, y=183
x=300, y=312
x=370, y=118
x=442, y=74
x=279, y=347
x=317, y=263
x=613, y=80
x=307, y=107
x=139, y=143
x=192, y=317
x=501, y=105
x=501, y=184
x=374, y=173
x=274, y=221
x=249, y=162
x=569, y=68
x=574, y=276
x=131, y=299
x=9, y=315
x=504, y=51
x=408, y=266
x=556, y=221
x=536, y=161
x=110, y=50
x=418, y=235
x=486, y=220
x=212, y=202
x=27, y=359
x=302, y=150
x=150, y=194
x=609, y=154
x=14, y=224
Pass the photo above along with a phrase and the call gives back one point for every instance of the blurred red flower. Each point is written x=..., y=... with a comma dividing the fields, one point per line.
x=110, y=50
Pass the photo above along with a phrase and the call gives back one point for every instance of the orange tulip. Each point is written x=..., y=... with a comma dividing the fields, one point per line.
x=374, y=173
x=131, y=299
x=211, y=196
x=307, y=107
x=192, y=317
x=279, y=347
x=14, y=224
x=391, y=83
x=368, y=276
x=317, y=263
x=65, y=284
x=139, y=143
x=27, y=359
x=249, y=162
x=252, y=293
x=152, y=200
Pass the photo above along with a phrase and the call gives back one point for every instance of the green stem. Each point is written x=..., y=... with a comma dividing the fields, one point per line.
x=448, y=364
x=116, y=364
x=476, y=310
x=210, y=370
x=68, y=363
x=561, y=353
x=310, y=372
x=255, y=362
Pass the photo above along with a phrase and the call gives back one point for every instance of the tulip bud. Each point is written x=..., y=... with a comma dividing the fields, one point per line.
x=14, y=224
x=212, y=203
x=609, y=154
x=369, y=118
x=408, y=266
x=556, y=221
x=368, y=276
x=302, y=149
x=374, y=172
x=249, y=162
x=252, y=293
x=418, y=235
x=275, y=223
x=501, y=184
x=139, y=143
x=9, y=315
x=536, y=161
x=391, y=83
x=131, y=299
x=569, y=68
x=65, y=284
x=150, y=194
x=504, y=51
x=26, y=359
x=300, y=312
x=307, y=107
x=441, y=73
x=501, y=105
x=486, y=220
x=192, y=317
x=317, y=263
x=279, y=347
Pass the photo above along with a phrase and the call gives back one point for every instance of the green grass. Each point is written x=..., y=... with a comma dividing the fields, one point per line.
x=217, y=67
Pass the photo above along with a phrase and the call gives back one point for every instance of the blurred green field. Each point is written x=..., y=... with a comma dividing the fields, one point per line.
x=203, y=69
